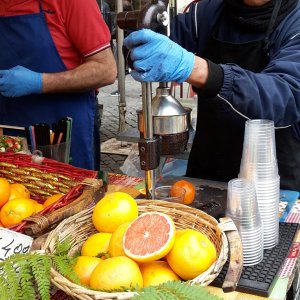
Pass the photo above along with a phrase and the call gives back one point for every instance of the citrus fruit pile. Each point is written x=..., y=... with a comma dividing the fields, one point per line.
x=132, y=251
x=16, y=204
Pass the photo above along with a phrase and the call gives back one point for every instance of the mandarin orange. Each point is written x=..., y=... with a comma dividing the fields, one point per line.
x=190, y=190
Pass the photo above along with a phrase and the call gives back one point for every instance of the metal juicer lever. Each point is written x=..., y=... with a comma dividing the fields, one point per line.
x=154, y=16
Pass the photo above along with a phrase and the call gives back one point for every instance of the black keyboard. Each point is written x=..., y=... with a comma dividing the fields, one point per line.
x=259, y=279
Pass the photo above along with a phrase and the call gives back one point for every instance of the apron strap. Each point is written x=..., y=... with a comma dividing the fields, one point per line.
x=271, y=24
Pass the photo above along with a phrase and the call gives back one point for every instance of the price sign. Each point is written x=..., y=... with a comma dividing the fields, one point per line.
x=12, y=242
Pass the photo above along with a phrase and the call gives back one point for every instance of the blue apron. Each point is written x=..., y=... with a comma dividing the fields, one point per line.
x=25, y=40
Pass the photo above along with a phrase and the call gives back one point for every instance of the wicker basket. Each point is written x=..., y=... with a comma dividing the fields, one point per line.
x=43, y=180
x=79, y=227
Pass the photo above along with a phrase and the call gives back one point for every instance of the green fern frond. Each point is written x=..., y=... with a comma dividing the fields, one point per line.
x=3, y=289
x=175, y=290
x=64, y=265
x=11, y=275
x=26, y=282
x=62, y=248
x=40, y=267
x=22, y=275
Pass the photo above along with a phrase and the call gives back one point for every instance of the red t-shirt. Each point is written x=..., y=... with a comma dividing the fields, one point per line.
x=76, y=26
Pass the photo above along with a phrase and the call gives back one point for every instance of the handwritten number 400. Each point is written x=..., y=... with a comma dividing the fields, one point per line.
x=10, y=248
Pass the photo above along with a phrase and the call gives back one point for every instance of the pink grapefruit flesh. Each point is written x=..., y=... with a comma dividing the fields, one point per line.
x=149, y=237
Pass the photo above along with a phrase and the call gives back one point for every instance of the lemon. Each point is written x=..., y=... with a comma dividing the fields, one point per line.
x=192, y=254
x=113, y=210
x=116, y=242
x=116, y=273
x=84, y=267
x=157, y=272
x=96, y=244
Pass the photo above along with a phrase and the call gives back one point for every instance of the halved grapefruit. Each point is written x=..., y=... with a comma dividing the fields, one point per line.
x=149, y=237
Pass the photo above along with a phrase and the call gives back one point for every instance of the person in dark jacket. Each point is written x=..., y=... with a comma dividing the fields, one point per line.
x=243, y=59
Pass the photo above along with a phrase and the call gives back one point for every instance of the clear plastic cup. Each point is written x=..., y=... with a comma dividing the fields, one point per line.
x=59, y=152
x=259, y=151
x=243, y=209
x=241, y=198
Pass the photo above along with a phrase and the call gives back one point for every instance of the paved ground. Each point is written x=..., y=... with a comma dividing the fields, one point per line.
x=110, y=119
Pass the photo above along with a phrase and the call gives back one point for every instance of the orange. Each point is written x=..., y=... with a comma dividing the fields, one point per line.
x=5, y=190
x=113, y=210
x=96, y=244
x=192, y=254
x=52, y=199
x=157, y=272
x=14, y=211
x=84, y=267
x=116, y=273
x=190, y=191
x=116, y=242
x=1, y=225
x=18, y=190
x=149, y=237
x=37, y=206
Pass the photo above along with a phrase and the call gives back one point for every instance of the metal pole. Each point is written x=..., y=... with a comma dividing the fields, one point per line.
x=121, y=72
x=148, y=134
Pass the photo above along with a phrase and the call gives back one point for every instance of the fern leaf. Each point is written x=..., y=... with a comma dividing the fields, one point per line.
x=40, y=267
x=62, y=248
x=12, y=279
x=4, y=290
x=64, y=265
x=175, y=290
x=22, y=275
x=26, y=282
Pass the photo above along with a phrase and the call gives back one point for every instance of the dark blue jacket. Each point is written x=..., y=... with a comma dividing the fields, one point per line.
x=271, y=94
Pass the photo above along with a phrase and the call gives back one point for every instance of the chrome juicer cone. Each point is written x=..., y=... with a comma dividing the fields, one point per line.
x=171, y=121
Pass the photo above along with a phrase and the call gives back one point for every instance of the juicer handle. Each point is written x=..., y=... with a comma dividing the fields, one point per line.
x=152, y=16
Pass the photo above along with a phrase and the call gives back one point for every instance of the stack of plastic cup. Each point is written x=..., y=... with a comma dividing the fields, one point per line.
x=242, y=208
x=259, y=164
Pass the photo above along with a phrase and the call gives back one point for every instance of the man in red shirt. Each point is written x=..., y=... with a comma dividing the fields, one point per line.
x=54, y=55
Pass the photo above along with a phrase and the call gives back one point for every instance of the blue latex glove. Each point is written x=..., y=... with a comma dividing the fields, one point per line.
x=19, y=81
x=156, y=58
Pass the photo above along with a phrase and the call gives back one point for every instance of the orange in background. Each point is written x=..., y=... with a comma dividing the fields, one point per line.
x=15, y=211
x=18, y=190
x=52, y=199
x=190, y=191
x=5, y=191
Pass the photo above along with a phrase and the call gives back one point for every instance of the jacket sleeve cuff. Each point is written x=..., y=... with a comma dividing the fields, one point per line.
x=214, y=81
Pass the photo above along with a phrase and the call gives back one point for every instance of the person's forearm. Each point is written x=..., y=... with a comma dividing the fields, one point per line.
x=199, y=75
x=207, y=77
x=95, y=72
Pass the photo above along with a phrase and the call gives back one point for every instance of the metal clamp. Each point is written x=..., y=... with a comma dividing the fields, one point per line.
x=149, y=151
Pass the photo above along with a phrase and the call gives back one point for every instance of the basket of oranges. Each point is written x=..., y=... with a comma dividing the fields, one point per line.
x=126, y=245
x=34, y=197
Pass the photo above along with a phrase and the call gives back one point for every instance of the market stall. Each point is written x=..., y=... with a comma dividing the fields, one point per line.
x=209, y=197
x=122, y=237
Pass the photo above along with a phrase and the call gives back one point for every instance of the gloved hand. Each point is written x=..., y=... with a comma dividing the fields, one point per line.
x=156, y=58
x=19, y=81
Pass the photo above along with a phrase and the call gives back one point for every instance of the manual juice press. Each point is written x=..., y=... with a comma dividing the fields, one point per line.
x=163, y=122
